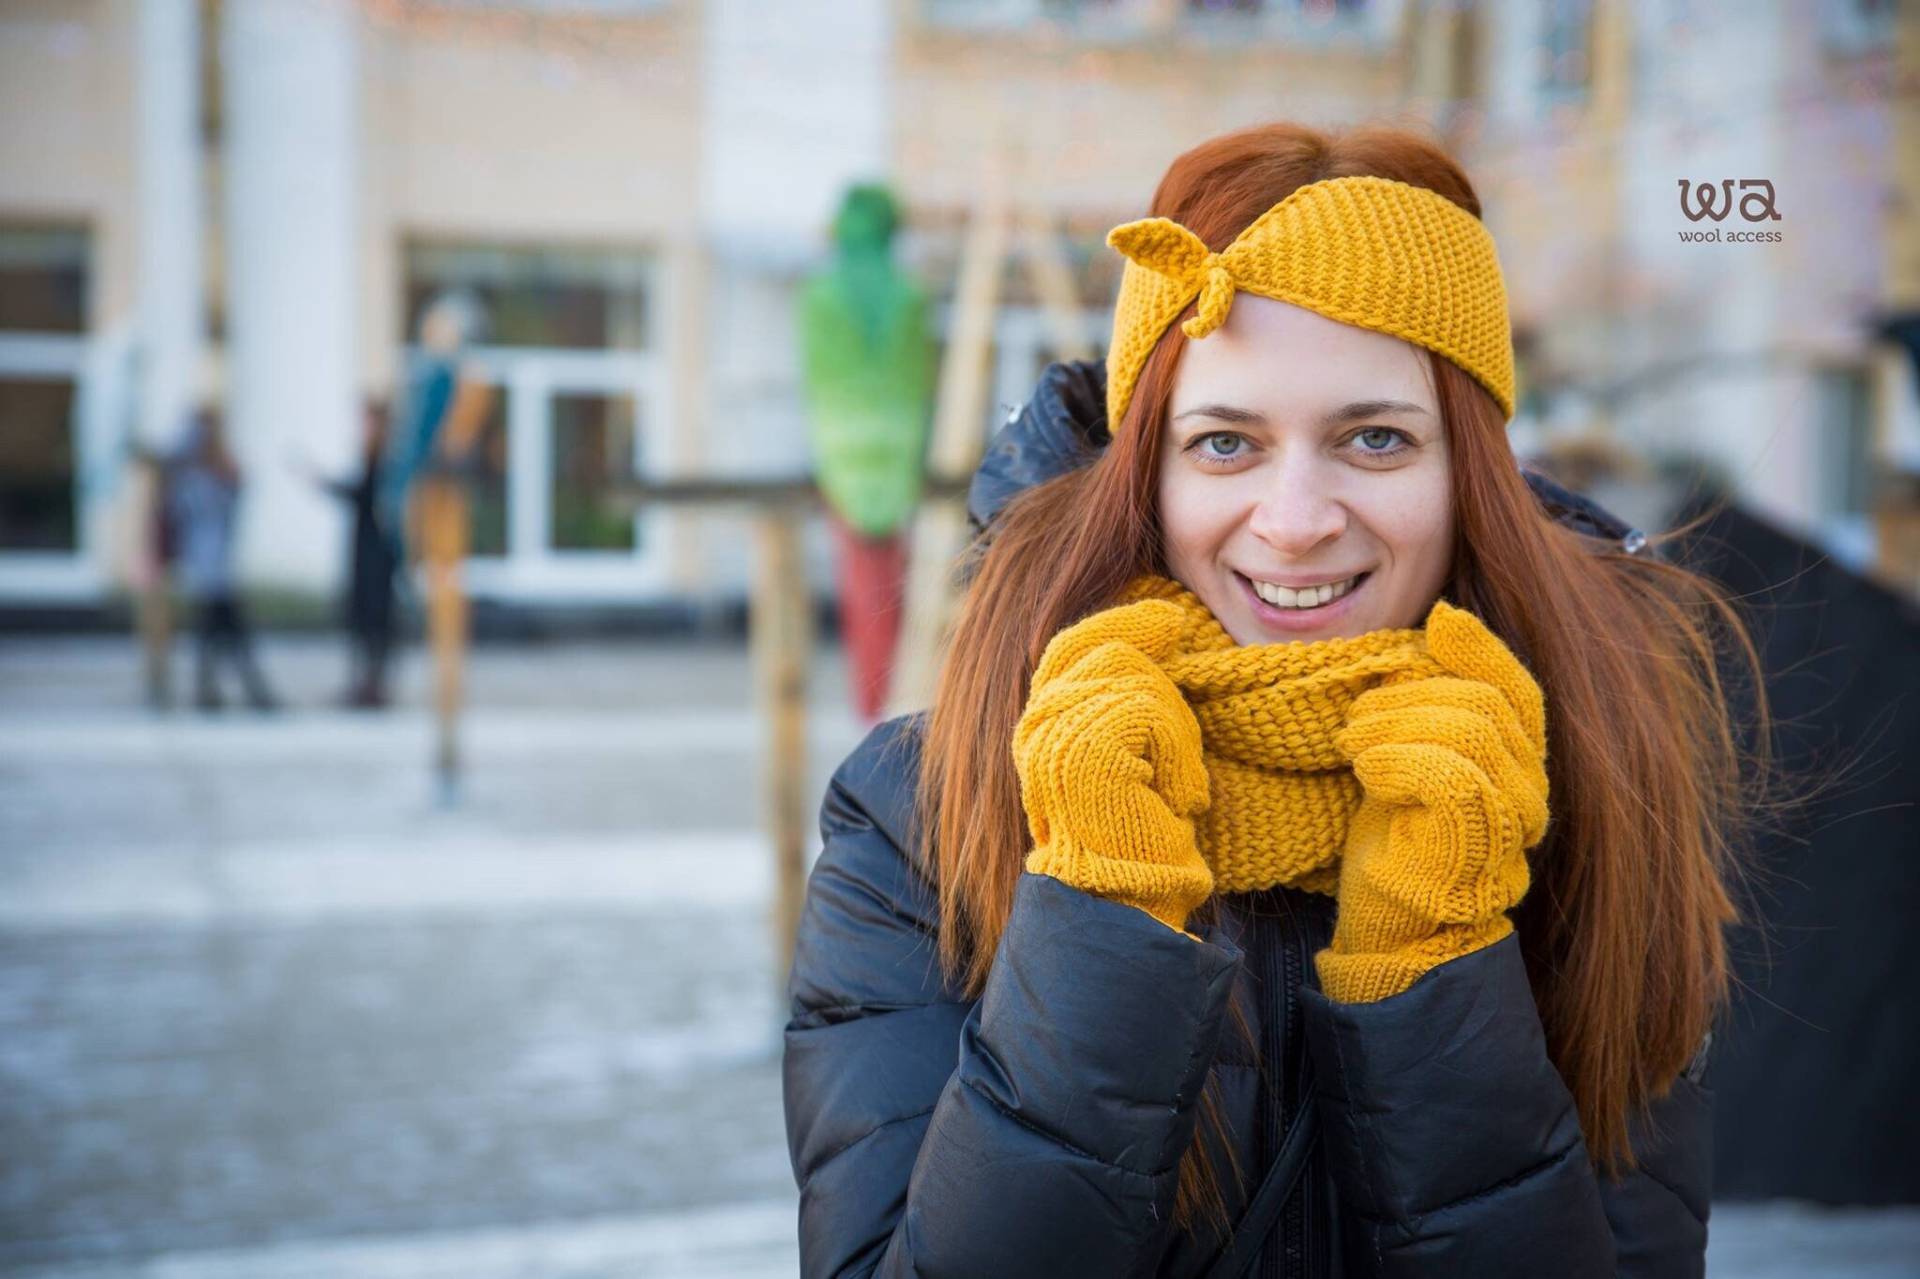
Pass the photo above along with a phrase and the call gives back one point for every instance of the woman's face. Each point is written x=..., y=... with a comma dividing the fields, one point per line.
x=1302, y=453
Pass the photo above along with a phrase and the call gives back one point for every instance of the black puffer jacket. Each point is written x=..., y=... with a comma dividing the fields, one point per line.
x=1039, y=1129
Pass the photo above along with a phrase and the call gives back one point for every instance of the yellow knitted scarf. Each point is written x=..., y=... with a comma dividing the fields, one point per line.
x=1282, y=796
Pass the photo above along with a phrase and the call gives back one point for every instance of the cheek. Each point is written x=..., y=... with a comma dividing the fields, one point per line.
x=1416, y=523
x=1192, y=516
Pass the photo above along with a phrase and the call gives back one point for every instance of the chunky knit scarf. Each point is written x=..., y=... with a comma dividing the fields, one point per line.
x=1282, y=795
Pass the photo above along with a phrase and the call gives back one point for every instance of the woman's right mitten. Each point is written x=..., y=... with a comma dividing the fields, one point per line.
x=1111, y=767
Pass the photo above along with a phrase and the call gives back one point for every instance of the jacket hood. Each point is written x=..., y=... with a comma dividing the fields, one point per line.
x=1064, y=426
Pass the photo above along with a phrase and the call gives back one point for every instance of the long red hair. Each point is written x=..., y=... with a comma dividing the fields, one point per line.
x=1623, y=928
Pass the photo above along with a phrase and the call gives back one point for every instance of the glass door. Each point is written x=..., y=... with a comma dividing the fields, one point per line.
x=56, y=417
x=567, y=431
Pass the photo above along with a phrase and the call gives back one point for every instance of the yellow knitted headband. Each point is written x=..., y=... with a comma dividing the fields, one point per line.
x=1366, y=251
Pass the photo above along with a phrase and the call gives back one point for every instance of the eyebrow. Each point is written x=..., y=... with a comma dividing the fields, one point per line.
x=1346, y=413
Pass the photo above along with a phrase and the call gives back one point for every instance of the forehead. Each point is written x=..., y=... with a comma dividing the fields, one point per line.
x=1282, y=359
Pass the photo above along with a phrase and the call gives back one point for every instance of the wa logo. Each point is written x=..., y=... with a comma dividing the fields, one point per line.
x=1715, y=203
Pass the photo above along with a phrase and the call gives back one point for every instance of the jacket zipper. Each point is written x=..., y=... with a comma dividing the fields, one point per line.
x=1294, y=957
x=1296, y=1249
x=1284, y=1254
x=1316, y=1240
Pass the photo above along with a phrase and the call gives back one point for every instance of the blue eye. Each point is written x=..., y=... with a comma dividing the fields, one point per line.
x=1208, y=456
x=1385, y=436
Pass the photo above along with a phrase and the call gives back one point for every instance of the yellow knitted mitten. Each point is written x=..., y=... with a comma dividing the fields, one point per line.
x=1110, y=764
x=1453, y=775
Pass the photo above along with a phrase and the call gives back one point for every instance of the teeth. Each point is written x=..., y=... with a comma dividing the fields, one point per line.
x=1308, y=597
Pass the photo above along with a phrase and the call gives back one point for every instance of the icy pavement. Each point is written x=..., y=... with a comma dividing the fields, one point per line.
x=268, y=1011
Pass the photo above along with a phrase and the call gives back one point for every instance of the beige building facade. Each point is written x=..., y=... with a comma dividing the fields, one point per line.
x=252, y=200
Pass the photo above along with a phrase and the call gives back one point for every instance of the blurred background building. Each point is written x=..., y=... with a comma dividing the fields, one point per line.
x=253, y=201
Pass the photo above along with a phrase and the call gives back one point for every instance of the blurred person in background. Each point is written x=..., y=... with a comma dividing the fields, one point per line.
x=1211, y=920
x=203, y=497
x=367, y=608
x=868, y=359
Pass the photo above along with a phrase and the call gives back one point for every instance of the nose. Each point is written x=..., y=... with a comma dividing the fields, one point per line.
x=1298, y=514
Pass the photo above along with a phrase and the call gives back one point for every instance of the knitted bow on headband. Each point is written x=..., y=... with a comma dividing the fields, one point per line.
x=1366, y=251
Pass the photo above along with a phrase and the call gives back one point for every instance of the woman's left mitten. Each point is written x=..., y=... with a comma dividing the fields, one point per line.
x=1452, y=770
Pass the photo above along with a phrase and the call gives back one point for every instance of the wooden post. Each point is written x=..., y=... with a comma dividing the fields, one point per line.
x=781, y=639
x=1052, y=275
x=940, y=527
x=441, y=509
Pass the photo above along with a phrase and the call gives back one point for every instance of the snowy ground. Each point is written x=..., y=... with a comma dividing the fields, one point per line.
x=268, y=1010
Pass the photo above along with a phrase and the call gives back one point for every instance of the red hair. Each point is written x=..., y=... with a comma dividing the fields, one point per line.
x=1623, y=930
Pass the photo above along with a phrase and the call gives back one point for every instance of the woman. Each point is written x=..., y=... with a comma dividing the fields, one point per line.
x=1312, y=862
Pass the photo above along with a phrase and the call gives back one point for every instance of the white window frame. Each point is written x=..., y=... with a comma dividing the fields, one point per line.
x=531, y=569
x=97, y=368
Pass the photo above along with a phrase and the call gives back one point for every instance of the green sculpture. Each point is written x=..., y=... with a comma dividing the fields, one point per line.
x=868, y=359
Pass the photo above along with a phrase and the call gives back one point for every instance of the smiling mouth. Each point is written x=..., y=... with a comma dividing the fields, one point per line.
x=1305, y=599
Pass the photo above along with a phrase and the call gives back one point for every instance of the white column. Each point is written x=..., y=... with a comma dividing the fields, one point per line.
x=1510, y=66
x=529, y=465
x=798, y=96
x=170, y=314
x=289, y=71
